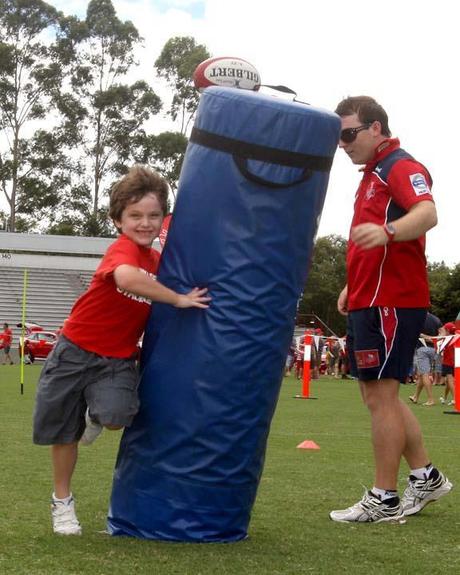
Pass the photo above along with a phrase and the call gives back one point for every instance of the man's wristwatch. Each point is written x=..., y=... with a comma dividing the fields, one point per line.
x=390, y=231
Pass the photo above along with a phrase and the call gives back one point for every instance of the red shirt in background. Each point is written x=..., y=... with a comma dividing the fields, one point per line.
x=6, y=337
x=448, y=355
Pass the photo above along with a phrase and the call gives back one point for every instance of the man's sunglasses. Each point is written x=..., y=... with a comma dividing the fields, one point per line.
x=349, y=134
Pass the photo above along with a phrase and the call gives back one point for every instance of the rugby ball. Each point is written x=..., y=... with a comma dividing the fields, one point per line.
x=226, y=71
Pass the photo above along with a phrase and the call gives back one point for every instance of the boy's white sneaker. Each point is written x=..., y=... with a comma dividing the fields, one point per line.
x=92, y=430
x=65, y=521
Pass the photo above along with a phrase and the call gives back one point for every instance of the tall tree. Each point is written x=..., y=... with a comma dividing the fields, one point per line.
x=326, y=278
x=164, y=152
x=176, y=64
x=452, y=298
x=444, y=290
x=102, y=114
x=439, y=278
x=28, y=76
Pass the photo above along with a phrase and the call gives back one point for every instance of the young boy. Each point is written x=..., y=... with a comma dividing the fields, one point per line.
x=6, y=338
x=448, y=364
x=90, y=380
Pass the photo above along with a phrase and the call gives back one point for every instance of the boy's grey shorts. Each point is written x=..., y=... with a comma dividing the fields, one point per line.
x=73, y=379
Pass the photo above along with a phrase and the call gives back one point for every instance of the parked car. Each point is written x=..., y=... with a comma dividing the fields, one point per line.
x=38, y=344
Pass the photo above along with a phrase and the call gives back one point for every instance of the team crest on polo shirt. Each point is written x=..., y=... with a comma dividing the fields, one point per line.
x=367, y=358
x=419, y=184
x=370, y=192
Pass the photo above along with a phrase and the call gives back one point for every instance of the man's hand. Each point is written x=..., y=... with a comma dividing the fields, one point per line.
x=342, y=301
x=369, y=236
x=419, y=219
x=195, y=298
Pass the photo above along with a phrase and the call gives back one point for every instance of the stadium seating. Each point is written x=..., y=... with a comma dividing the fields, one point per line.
x=50, y=294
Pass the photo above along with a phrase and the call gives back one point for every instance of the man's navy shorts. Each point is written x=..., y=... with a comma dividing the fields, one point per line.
x=381, y=341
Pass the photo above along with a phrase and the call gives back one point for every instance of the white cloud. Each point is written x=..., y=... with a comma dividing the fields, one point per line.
x=402, y=52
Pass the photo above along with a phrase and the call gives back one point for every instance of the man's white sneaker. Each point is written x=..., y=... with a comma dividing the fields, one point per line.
x=371, y=510
x=420, y=492
x=92, y=430
x=65, y=521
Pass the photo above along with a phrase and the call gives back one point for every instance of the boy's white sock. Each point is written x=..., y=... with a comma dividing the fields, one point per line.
x=65, y=501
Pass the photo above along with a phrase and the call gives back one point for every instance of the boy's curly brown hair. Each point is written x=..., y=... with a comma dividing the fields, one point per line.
x=133, y=186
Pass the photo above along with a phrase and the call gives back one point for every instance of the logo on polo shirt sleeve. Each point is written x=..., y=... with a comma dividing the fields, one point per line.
x=419, y=184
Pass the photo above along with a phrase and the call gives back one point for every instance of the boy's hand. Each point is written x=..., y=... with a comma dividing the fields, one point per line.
x=196, y=298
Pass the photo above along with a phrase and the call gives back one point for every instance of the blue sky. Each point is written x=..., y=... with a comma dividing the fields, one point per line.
x=403, y=53
x=195, y=9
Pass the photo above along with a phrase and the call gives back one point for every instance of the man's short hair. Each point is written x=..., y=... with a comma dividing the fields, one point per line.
x=367, y=109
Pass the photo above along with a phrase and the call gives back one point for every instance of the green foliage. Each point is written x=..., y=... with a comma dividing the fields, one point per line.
x=28, y=77
x=452, y=295
x=100, y=113
x=72, y=74
x=439, y=277
x=164, y=152
x=176, y=64
x=326, y=278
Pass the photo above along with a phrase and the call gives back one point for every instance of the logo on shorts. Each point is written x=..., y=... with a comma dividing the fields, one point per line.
x=367, y=358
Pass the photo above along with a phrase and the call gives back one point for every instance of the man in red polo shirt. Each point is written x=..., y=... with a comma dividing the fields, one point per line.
x=386, y=300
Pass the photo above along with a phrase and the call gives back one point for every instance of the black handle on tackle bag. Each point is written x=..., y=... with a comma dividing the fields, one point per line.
x=242, y=165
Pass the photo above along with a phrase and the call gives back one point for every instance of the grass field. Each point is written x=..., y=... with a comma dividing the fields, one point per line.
x=290, y=532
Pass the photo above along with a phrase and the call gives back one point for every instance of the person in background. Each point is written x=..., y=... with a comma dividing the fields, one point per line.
x=448, y=364
x=425, y=357
x=317, y=346
x=6, y=339
x=289, y=359
x=333, y=347
x=386, y=300
x=344, y=362
x=298, y=356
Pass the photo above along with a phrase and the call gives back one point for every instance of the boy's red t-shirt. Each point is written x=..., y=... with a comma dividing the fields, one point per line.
x=105, y=320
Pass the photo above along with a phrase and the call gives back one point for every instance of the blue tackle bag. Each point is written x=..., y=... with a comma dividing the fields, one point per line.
x=250, y=196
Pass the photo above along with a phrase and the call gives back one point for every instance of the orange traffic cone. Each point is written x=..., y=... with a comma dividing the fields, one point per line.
x=308, y=444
